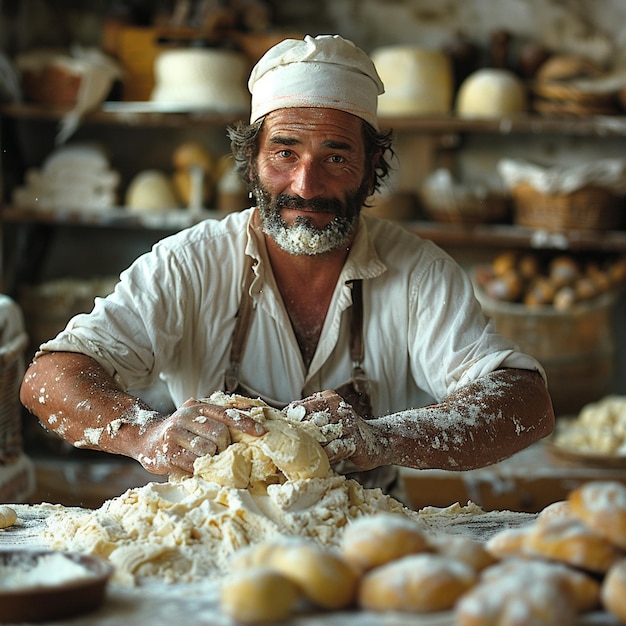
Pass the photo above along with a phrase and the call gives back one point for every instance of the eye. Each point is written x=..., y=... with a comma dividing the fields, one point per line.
x=337, y=158
x=285, y=153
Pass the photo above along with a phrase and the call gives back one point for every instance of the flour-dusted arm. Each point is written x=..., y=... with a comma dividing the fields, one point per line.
x=481, y=423
x=75, y=397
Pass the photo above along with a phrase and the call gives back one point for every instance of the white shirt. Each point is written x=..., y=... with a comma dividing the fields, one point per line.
x=173, y=312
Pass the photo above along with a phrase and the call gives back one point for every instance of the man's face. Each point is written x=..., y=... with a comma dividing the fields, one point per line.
x=310, y=180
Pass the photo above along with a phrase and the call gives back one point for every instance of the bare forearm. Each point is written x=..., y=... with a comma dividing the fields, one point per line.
x=483, y=423
x=72, y=395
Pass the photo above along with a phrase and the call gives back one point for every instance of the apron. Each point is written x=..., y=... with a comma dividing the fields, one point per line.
x=355, y=392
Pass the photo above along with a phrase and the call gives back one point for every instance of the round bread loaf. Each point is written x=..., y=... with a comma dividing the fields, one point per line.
x=562, y=67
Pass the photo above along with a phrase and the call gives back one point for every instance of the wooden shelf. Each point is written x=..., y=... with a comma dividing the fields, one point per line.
x=600, y=126
x=149, y=114
x=510, y=236
x=115, y=217
x=125, y=114
x=480, y=235
x=146, y=114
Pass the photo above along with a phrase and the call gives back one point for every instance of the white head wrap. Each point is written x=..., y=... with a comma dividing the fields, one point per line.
x=327, y=71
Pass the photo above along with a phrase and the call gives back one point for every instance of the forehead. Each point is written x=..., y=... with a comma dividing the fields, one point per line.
x=308, y=123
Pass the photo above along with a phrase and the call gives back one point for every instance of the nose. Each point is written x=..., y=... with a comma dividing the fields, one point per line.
x=308, y=179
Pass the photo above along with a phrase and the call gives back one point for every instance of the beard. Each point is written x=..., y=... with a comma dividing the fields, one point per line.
x=303, y=237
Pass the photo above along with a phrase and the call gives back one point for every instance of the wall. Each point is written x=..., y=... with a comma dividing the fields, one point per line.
x=593, y=29
x=563, y=25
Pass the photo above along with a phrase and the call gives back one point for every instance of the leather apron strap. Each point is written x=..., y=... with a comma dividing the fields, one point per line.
x=240, y=333
x=355, y=392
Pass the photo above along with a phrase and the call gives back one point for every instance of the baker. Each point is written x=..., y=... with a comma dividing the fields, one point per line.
x=300, y=300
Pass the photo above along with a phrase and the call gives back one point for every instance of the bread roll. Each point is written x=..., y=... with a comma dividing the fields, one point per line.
x=567, y=540
x=514, y=593
x=601, y=505
x=418, y=583
x=613, y=592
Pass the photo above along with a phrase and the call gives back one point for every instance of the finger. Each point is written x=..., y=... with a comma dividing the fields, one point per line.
x=234, y=418
x=339, y=449
x=182, y=458
x=201, y=446
x=208, y=429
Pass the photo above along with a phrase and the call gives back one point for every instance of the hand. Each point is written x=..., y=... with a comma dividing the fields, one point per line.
x=195, y=429
x=356, y=442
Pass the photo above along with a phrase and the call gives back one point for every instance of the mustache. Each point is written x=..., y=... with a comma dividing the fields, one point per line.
x=318, y=205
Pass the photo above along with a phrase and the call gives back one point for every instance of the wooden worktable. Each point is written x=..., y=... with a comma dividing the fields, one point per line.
x=161, y=604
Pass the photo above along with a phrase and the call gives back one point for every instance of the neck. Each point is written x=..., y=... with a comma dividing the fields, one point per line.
x=306, y=284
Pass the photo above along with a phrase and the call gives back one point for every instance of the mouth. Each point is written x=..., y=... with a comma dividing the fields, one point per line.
x=306, y=215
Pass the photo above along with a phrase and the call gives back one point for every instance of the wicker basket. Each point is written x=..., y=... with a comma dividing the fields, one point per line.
x=469, y=210
x=576, y=347
x=11, y=364
x=587, y=208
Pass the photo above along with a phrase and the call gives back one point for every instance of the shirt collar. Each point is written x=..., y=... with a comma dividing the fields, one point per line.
x=363, y=261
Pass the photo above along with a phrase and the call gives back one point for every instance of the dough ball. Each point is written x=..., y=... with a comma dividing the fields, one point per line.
x=469, y=551
x=583, y=589
x=601, y=506
x=558, y=509
x=377, y=539
x=507, y=542
x=324, y=577
x=253, y=555
x=613, y=591
x=8, y=516
x=418, y=583
x=258, y=594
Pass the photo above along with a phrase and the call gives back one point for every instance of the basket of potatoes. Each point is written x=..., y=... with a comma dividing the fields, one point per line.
x=558, y=308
